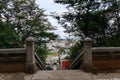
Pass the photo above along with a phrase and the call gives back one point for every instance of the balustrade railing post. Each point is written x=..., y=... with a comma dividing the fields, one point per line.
x=87, y=56
x=30, y=57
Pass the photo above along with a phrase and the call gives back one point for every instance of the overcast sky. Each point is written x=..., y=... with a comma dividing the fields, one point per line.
x=50, y=6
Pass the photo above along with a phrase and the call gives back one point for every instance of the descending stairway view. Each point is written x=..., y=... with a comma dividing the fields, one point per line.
x=17, y=62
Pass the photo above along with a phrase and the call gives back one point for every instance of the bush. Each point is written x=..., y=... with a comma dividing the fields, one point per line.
x=75, y=50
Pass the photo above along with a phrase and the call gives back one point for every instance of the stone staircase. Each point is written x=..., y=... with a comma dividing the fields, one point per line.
x=59, y=75
x=48, y=75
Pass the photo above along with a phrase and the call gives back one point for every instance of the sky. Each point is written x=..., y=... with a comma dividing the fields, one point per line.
x=49, y=6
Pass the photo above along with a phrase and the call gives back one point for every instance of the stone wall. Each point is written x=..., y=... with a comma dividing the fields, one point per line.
x=100, y=58
x=20, y=59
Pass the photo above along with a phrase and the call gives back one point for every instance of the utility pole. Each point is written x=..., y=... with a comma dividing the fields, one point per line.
x=59, y=61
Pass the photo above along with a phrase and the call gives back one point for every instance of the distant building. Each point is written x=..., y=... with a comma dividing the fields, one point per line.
x=54, y=46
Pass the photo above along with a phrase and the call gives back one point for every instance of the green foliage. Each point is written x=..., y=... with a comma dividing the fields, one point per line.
x=86, y=18
x=25, y=19
x=75, y=50
x=81, y=17
x=48, y=68
x=113, y=41
x=61, y=50
x=8, y=38
x=42, y=52
x=28, y=20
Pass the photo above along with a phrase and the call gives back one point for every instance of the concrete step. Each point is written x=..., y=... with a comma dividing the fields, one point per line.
x=60, y=75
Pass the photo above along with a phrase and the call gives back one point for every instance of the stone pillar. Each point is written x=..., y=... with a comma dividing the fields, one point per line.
x=87, y=56
x=30, y=57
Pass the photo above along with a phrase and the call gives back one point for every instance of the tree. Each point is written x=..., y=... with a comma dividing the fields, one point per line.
x=112, y=33
x=86, y=18
x=8, y=38
x=114, y=16
x=27, y=19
